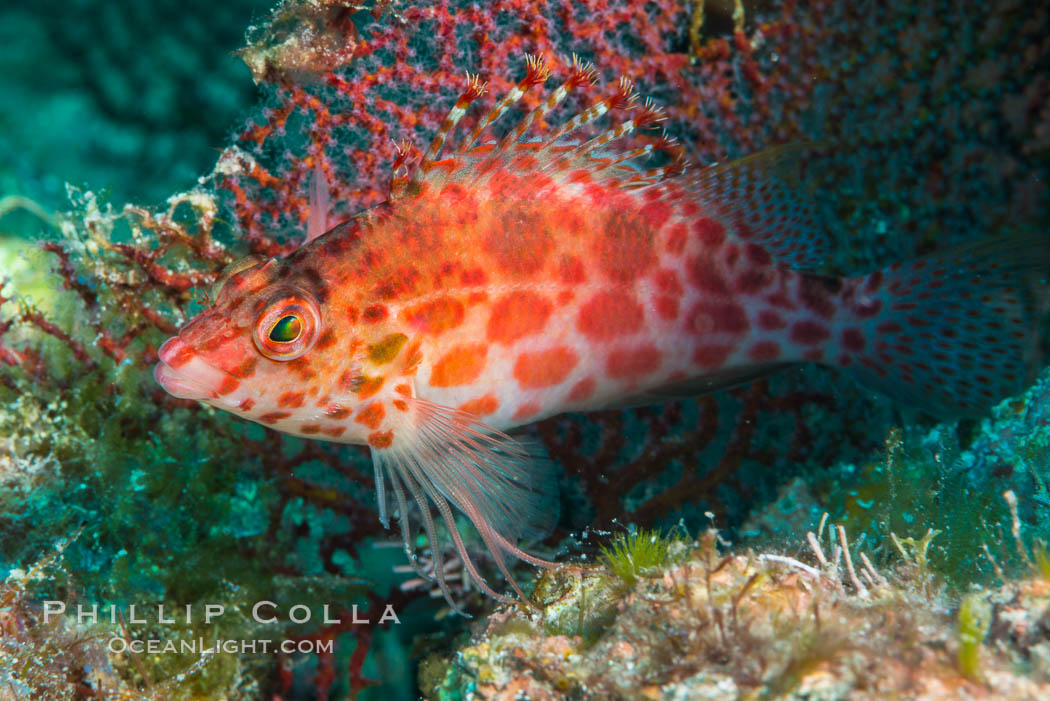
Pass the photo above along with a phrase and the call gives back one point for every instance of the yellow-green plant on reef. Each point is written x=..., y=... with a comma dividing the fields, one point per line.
x=975, y=616
x=639, y=552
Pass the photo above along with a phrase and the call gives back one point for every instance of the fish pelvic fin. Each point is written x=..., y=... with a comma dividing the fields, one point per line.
x=952, y=332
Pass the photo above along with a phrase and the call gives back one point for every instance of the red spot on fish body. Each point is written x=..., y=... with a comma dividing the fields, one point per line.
x=770, y=321
x=380, y=439
x=544, y=368
x=705, y=276
x=716, y=317
x=887, y=327
x=526, y=410
x=816, y=294
x=609, y=315
x=667, y=308
x=435, y=317
x=337, y=411
x=634, y=362
x=853, y=340
x=754, y=281
x=676, y=239
x=712, y=356
x=655, y=213
x=520, y=243
x=245, y=369
x=369, y=387
x=310, y=429
x=582, y=390
x=291, y=400
x=333, y=431
x=626, y=249
x=809, y=333
x=178, y=357
x=570, y=270
x=757, y=255
x=667, y=282
x=482, y=406
x=228, y=385
x=301, y=367
x=518, y=315
x=273, y=417
x=374, y=314
x=710, y=232
x=325, y=340
x=473, y=277
x=764, y=351
x=246, y=404
x=372, y=415
x=459, y=366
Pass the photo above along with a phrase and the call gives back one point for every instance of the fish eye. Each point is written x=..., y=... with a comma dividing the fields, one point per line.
x=288, y=325
x=286, y=329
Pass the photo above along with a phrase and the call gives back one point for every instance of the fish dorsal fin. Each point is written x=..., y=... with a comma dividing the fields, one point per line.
x=506, y=487
x=760, y=199
x=552, y=155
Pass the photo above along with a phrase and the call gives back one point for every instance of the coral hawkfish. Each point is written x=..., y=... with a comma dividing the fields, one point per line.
x=512, y=280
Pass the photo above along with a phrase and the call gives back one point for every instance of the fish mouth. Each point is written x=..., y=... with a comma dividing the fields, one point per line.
x=184, y=374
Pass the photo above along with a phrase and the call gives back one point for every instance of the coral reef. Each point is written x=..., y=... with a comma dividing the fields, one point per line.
x=703, y=625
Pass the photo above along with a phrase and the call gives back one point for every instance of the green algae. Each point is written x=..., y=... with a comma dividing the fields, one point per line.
x=638, y=553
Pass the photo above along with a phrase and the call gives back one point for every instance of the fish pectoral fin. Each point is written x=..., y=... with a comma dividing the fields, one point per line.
x=508, y=482
x=506, y=487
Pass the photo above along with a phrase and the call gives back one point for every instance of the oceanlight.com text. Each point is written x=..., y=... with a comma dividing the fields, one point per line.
x=199, y=646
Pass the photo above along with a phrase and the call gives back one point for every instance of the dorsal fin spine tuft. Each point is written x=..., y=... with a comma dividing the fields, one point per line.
x=554, y=156
x=475, y=89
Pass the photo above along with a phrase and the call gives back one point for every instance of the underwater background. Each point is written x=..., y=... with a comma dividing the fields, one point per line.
x=796, y=537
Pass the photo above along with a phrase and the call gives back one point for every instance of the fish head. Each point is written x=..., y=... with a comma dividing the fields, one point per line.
x=264, y=350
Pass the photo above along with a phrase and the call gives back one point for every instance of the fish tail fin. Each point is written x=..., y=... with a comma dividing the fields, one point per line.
x=951, y=332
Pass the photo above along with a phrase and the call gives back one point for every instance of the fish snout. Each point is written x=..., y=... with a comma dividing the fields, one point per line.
x=183, y=373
